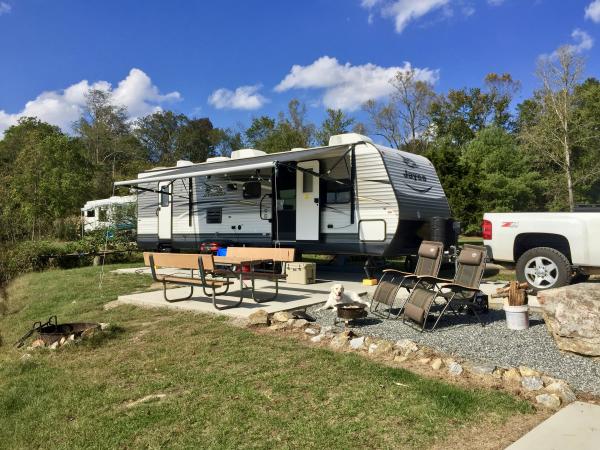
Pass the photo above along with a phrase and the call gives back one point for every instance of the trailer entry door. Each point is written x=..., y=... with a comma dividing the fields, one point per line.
x=165, y=204
x=307, y=202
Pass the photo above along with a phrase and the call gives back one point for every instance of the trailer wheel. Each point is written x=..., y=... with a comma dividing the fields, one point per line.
x=544, y=268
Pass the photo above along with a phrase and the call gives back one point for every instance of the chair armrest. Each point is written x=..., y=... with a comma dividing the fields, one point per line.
x=430, y=279
x=459, y=287
x=397, y=271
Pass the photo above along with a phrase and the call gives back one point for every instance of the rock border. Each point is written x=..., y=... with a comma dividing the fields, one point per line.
x=543, y=391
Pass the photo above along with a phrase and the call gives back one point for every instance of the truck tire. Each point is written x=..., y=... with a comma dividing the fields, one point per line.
x=543, y=268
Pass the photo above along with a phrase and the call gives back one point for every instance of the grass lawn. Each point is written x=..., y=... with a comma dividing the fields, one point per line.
x=224, y=387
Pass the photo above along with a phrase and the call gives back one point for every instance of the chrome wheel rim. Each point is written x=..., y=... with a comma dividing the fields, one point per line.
x=541, y=272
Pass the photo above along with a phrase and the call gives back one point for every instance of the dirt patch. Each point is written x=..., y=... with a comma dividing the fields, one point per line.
x=486, y=435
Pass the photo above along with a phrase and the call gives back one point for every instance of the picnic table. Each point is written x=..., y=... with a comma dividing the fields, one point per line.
x=244, y=268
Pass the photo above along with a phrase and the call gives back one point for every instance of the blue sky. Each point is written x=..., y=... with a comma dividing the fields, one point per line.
x=232, y=60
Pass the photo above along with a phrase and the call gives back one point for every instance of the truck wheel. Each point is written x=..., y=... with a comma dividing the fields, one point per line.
x=543, y=268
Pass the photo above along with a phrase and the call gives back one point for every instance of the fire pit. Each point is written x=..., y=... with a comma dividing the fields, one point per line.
x=51, y=332
x=350, y=312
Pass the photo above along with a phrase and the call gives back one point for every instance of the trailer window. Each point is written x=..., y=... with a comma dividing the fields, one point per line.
x=103, y=215
x=90, y=213
x=214, y=215
x=337, y=191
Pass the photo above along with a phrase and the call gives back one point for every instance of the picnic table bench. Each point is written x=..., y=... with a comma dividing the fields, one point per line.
x=214, y=272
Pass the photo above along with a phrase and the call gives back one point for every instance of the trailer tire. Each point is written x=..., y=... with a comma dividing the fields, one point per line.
x=543, y=268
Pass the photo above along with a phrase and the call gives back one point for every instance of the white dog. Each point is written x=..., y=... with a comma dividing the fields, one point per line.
x=337, y=296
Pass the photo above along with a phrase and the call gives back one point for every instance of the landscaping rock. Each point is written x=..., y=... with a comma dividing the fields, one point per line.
x=54, y=346
x=572, y=314
x=436, y=364
x=550, y=401
x=259, y=317
x=278, y=326
x=357, y=343
x=37, y=343
x=282, y=316
x=482, y=369
x=498, y=373
x=318, y=338
x=425, y=360
x=312, y=331
x=455, y=368
x=512, y=376
x=400, y=359
x=339, y=341
x=528, y=372
x=104, y=326
x=372, y=348
x=406, y=346
x=563, y=391
x=532, y=383
x=384, y=349
x=300, y=323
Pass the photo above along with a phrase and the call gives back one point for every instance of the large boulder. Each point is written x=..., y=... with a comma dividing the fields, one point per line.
x=572, y=314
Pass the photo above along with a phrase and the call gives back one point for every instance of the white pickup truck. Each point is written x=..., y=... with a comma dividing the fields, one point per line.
x=550, y=249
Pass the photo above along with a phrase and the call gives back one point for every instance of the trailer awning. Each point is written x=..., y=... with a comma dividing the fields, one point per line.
x=238, y=165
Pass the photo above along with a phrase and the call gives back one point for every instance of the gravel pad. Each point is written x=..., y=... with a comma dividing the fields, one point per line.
x=494, y=344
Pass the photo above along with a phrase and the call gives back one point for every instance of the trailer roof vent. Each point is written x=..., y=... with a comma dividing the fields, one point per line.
x=348, y=138
x=184, y=163
x=246, y=153
x=217, y=159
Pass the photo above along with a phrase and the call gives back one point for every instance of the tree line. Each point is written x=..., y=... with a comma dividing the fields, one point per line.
x=491, y=155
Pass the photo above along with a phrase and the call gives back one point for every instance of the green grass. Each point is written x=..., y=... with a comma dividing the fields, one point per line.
x=226, y=387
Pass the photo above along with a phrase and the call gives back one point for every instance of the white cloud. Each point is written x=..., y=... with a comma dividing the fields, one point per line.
x=244, y=97
x=403, y=11
x=346, y=86
x=4, y=8
x=592, y=11
x=583, y=41
x=136, y=92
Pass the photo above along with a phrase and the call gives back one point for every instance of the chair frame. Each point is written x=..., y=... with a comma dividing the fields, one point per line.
x=455, y=288
x=405, y=276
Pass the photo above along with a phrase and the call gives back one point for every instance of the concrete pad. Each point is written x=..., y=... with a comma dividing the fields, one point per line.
x=291, y=296
x=576, y=426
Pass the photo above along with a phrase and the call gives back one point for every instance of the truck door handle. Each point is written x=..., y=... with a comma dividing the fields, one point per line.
x=316, y=200
x=157, y=210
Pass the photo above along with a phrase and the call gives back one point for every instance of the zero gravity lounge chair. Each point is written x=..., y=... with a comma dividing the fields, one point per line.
x=459, y=292
x=430, y=259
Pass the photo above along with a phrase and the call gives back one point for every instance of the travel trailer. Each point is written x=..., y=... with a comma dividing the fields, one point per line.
x=350, y=197
x=97, y=214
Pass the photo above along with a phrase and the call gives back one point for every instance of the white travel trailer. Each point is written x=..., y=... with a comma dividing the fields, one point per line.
x=351, y=197
x=100, y=213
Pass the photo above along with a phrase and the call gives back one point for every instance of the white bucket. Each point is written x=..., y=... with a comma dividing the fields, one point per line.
x=517, y=317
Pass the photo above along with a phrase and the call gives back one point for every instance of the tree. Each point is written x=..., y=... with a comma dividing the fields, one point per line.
x=106, y=135
x=51, y=181
x=196, y=140
x=557, y=132
x=159, y=133
x=286, y=133
x=29, y=132
x=503, y=171
x=404, y=120
x=336, y=122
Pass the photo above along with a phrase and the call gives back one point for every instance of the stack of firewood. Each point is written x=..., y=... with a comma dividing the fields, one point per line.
x=515, y=291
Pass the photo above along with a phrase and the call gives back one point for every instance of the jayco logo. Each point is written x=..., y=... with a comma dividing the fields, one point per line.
x=414, y=176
